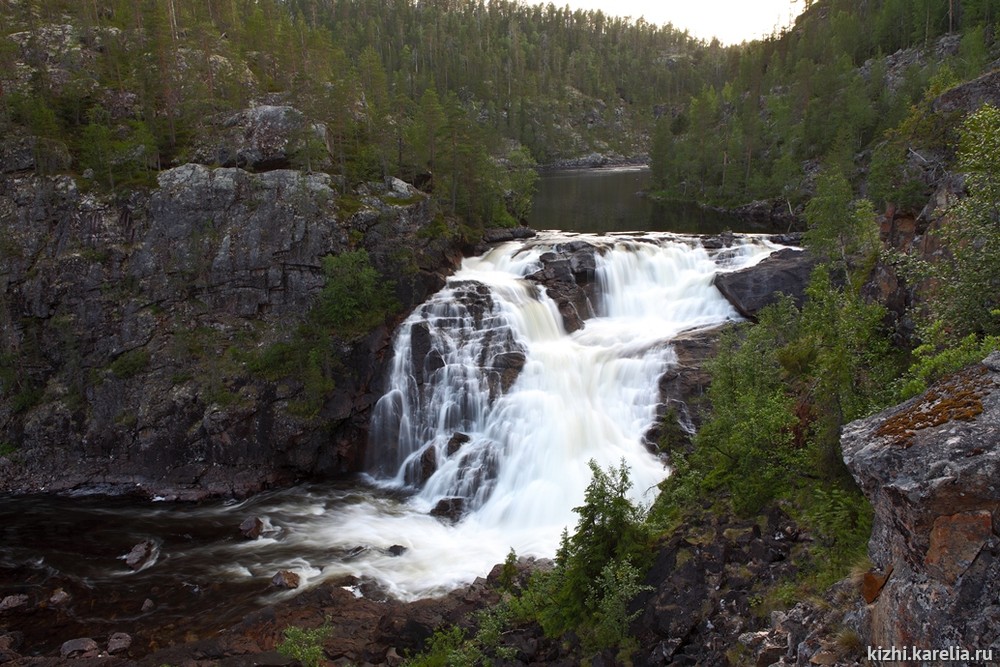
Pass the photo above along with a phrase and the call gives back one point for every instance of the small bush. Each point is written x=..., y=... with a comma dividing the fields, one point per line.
x=130, y=363
x=355, y=297
x=306, y=646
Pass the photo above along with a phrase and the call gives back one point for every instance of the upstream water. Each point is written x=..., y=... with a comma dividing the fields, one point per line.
x=518, y=467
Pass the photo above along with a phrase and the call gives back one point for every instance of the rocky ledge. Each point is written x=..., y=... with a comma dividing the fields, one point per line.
x=931, y=468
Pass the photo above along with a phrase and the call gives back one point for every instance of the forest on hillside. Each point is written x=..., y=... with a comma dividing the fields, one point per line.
x=463, y=90
x=406, y=87
x=848, y=86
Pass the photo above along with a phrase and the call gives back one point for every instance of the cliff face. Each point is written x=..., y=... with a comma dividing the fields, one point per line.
x=931, y=468
x=128, y=326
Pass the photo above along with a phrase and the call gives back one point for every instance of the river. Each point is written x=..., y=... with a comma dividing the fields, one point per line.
x=600, y=201
x=515, y=460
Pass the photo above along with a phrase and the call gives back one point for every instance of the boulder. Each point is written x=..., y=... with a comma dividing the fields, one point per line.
x=569, y=274
x=79, y=648
x=456, y=441
x=11, y=602
x=252, y=527
x=286, y=580
x=428, y=465
x=118, y=643
x=59, y=597
x=449, y=508
x=930, y=468
x=141, y=554
x=751, y=289
x=504, y=234
x=265, y=138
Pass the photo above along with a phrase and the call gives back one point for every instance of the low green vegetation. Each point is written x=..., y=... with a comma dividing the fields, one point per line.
x=354, y=300
x=130, y=363
x=304, y=645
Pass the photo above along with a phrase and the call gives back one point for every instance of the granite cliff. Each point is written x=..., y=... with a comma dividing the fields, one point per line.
x=130, y=324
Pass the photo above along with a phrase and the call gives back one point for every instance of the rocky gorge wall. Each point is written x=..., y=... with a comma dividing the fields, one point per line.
x=127, y=323
x=931, y=467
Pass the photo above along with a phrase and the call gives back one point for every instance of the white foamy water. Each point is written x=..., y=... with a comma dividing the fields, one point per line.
x=520, y=463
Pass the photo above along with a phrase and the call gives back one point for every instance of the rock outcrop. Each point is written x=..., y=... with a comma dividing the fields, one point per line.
x=930, y=468
x=129, y=327
x=569, y=275
x=969, y=96
x=751, y=289
x=267, y=137
x=703, y=584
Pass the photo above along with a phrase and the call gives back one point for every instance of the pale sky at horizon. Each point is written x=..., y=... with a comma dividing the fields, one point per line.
x=732, y=21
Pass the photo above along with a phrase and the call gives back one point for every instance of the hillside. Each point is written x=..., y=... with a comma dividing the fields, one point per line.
x=845, y=88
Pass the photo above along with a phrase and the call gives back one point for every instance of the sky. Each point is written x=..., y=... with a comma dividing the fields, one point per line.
x=732, y=21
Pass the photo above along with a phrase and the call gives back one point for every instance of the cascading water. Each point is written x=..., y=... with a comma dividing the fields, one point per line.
x=493, y=410
x=491, y=407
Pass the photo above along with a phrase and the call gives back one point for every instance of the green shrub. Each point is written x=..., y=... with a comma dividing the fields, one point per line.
x=446, y=648
x=130, y=363
x=306, y=646
x=355, y=297
x=934, y=361
x=611, y=594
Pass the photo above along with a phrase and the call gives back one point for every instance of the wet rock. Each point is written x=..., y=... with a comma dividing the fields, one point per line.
x=504, y=234
x=12, y=602
x=508, y=365
x=118, y=643
x=751, y=289
x=396, y=550
x=428, y=464
x=456, y=441
x=252, y=527
x=141, y=555
x=59, y=597
x=719, y=241
x=148, y=606
x=684, y=383
x=568, y=274
x=79, y=648
x=286, y=580
x=449, y=508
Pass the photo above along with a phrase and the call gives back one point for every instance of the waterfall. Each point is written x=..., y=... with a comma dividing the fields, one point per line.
x=493, y=410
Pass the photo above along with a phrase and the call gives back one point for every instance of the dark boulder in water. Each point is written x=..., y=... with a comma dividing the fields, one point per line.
x=751, y=289
x=451, y=509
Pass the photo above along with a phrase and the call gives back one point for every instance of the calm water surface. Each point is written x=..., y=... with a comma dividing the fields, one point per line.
x=610, y=200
